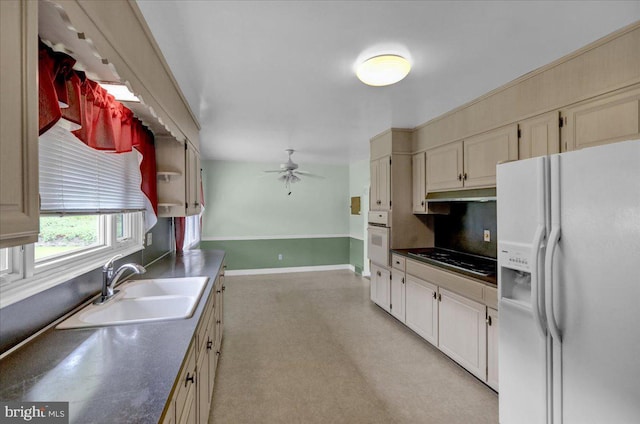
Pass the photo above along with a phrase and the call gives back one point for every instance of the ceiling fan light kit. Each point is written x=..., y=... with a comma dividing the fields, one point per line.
x=382, y=70
x=290, y=172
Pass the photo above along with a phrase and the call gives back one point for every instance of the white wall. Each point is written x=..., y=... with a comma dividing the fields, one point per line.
x=243, y=201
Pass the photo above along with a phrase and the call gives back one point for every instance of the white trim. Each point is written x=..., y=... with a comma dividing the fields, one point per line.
x=287, y=270
x=302, y=236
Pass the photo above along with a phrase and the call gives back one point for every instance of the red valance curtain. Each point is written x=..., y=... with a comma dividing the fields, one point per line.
x=93, y=115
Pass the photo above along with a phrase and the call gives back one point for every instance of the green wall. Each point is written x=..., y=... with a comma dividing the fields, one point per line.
x=251, y=216
x=296, y=252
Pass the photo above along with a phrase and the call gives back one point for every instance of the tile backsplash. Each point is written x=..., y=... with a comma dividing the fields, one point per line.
x=463, y=229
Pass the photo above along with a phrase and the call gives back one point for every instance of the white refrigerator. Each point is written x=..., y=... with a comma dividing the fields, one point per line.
x=569, y=287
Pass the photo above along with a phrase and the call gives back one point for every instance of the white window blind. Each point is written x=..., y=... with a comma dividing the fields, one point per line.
x=74, y=178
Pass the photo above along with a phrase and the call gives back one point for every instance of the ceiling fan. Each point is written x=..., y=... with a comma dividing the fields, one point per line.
x=290, y=172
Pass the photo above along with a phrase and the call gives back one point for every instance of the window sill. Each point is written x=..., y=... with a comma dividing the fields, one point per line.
x=45, y=279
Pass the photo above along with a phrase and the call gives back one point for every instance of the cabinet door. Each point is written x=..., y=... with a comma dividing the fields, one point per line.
x=601, y=121
x=384, y=183
x=19, y=206
x=462, y=332
x=203, y=401
x=397, y=301
x=419, y=181
x=492, y=348
x=374, y=199
x=483, y=152
x=539, y=136
x=193, y=180
x=381, y=287
x=444, y=167
x=422, y=308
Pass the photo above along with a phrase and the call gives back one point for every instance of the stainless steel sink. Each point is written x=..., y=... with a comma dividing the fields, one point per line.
x=140, y=301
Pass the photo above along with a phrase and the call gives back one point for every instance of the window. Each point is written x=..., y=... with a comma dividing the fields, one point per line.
x=68, y=246
x=191, y=231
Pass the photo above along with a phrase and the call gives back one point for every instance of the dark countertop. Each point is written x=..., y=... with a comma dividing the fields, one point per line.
x=114, y=374
x=490, y=280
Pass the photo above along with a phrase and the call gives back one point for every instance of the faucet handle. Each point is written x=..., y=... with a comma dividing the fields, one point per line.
x=109, y=265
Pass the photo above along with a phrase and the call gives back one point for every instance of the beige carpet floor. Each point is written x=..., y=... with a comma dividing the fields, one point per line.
x=312, y=348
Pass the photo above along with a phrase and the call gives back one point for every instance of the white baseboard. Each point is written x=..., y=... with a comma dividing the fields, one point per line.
x=287, y=270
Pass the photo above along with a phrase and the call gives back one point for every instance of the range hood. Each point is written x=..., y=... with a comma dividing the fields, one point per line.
x=475, y=195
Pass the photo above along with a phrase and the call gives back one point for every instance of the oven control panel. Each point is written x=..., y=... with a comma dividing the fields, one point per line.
x=515, y=256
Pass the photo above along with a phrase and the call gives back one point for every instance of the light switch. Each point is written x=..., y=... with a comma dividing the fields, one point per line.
x=487, y=235
x=149, y=239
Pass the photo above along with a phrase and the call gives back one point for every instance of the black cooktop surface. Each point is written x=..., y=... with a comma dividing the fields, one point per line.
x=477, y=265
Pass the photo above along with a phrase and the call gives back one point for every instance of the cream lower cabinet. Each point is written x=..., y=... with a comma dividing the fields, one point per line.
x=422, y=308
x=462, y=332
x=397, y=301
x=191, y=401
x=19, y=208
x=492, y=348
x=381, y=287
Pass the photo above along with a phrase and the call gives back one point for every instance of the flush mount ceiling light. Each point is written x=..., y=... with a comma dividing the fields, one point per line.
x=383, y=70
x=120, y=91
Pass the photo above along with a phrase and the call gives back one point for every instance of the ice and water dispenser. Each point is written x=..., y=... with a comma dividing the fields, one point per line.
x=515, y=272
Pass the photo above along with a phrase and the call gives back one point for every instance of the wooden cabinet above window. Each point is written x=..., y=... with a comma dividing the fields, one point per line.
x=178, y=168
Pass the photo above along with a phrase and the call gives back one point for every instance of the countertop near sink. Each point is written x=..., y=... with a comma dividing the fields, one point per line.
x=490, y=280
x=114, y=374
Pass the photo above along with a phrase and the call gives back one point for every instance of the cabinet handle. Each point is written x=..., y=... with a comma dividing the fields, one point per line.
x=465, y=176
x=379, y=274
x=435, y=296
x=422, y=203
x=402, y=280
x=217, y=291
x=489, y=322
x=209, y=344
x=439, y=297
x=459, y=177
x=218, y=322
x=224, y=288
x=218, y=352
x=191, y=379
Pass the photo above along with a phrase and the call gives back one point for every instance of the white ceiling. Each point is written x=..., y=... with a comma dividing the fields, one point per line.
x=263, y=76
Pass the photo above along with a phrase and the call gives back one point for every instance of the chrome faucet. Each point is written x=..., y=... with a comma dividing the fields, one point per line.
x=110, y=278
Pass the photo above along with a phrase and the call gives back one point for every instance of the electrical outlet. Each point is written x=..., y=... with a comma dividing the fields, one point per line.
x=149, y=239
x=279, y=256
x=487, y=235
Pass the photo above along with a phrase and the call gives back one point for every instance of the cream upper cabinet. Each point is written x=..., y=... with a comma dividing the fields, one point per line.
x=445, y=167
x=492, y=348
x=484, y=151
x=462, y=332
x=178, y=169
x=19, y=205
x=380, y=196
x=421, y=308
x=606, y=119
x=419, y=176
x=539, y=136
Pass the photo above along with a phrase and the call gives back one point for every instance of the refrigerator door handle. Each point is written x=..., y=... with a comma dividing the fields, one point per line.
x=554, y=239
x=535, y=280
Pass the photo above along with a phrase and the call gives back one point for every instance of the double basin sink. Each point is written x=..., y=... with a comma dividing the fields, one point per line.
x=138, y=301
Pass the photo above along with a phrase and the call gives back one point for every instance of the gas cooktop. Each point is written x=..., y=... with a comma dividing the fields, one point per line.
x=478, y=265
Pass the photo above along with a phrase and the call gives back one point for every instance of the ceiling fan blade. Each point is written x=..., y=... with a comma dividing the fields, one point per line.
x=308, y=174
x=275, y=170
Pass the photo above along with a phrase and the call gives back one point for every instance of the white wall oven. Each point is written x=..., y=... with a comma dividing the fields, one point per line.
x=378, y=237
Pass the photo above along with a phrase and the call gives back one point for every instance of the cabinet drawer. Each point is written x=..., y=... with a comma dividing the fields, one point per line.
x=398, y=262
x=447, y=280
